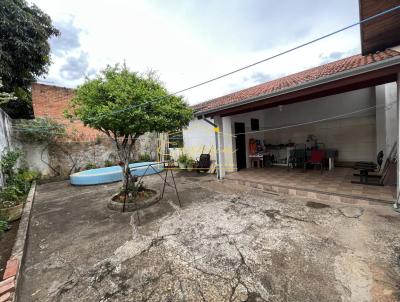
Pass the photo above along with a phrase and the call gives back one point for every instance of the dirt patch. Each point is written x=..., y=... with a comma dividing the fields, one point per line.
x=6, y=244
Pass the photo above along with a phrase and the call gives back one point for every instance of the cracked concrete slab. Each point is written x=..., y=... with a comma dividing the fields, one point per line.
x=224, y=244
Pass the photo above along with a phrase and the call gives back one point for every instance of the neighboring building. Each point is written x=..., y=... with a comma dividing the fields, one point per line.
x=83, y=145
x=51, y=101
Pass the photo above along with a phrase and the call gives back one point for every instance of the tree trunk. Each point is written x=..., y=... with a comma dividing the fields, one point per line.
x=129, y=180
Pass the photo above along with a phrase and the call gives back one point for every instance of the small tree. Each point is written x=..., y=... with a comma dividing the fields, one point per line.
x=124, y=105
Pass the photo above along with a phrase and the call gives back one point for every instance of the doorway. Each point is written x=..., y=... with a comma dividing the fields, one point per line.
x=240, y=145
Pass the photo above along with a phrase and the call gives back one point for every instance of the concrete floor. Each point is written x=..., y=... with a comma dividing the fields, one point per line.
x=225, y=244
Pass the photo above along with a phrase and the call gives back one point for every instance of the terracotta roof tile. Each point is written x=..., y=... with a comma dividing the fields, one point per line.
x=297, y=79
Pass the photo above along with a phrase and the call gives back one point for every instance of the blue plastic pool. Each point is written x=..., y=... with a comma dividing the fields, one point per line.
x=112, y=174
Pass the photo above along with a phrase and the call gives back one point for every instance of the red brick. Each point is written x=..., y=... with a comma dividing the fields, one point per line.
x=11, y=268
x=51, y=101
x=5, y=281
x=6, y=297
x=7, y=288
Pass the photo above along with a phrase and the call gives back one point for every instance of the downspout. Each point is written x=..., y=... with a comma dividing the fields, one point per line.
x=216, y=131
x=396, y=205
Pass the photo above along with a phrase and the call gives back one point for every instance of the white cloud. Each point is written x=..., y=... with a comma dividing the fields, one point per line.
x=191, y=41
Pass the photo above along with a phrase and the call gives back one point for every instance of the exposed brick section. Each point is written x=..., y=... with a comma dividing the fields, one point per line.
x=7, y=287
x=51, y=101
x=11, y=269
x=6, y=297
x=298, y=78
x=6, y=281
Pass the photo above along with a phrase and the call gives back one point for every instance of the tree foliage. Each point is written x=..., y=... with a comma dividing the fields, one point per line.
x=24, y=50
x=5, y=97
x=124, y=105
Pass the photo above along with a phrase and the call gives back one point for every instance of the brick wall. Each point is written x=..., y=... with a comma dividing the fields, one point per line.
x=51, y=101
x=84, y=145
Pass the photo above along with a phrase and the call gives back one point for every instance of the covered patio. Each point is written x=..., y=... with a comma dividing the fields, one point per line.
x=349, y=107
x=332, y=185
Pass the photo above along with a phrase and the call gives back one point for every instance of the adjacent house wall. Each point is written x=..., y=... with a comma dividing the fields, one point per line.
x=5, y=136
x=82, y=146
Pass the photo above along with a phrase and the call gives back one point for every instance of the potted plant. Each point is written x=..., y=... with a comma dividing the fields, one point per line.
x=182, y=160
x=11, y=203
x=190, y=164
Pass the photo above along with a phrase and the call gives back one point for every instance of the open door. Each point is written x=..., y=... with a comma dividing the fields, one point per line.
x=240, y=145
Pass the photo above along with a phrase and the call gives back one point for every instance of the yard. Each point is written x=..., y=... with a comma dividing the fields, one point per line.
x=225, y=244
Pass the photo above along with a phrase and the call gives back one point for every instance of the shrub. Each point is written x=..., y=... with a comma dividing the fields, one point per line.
x=89, y=166
x=190, y=162
x=41, y=129
x=183, y=158
x=17, y=182
x=8, y=161
x=145, y=157
x=108, y=163
x=3, y=226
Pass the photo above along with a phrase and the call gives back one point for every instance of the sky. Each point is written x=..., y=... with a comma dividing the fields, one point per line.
x=188, y=41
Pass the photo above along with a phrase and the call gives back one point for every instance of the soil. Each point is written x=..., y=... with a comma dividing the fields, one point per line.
x=6, y=244
x=140, y=197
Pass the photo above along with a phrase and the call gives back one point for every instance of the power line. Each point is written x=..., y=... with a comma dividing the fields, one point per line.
x=261, y=61
x=335, y=117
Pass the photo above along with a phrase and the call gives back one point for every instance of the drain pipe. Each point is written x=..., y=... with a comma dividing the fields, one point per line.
x=216, y=131
x=396, y=205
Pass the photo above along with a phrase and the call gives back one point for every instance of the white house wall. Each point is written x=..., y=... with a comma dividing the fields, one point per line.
x=199, y=137
x=5, y=136
x=354, y=136
x=357, y=137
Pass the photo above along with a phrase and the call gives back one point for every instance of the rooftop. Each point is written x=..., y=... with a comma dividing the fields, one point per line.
x=299, y=78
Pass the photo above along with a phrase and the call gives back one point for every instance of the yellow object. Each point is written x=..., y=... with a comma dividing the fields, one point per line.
x=216, y=129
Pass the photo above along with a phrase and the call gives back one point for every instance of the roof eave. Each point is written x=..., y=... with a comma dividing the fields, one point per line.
x=338, y=76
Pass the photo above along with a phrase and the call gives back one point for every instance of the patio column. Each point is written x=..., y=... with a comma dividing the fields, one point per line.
x=219, y=145
x=396, y=204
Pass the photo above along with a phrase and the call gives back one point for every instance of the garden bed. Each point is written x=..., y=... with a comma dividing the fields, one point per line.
x=7, y=240
x=144, y=200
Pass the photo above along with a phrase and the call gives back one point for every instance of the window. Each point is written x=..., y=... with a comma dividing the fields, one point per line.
x=175, y=139
x=255, y=124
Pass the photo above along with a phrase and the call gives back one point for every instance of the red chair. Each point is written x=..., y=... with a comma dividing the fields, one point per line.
x=317, y=159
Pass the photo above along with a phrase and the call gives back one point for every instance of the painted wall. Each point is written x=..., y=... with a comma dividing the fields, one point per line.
x=357, y=136
x=5, y=136
x=198, y=136
x=353, y=135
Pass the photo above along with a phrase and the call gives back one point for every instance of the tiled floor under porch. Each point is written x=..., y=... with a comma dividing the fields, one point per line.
x=333, y=185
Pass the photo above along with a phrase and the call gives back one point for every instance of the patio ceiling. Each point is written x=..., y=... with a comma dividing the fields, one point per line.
x=377, y=73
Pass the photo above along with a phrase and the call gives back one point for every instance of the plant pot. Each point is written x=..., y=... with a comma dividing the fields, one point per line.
x=190, y=168
x=182, y=165
x=12, y=213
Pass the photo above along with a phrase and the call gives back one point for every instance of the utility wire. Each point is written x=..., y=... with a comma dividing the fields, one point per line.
x=335, y=117
x=385, y=12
